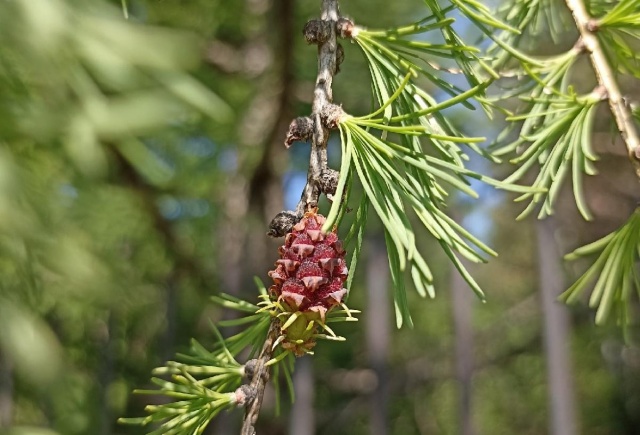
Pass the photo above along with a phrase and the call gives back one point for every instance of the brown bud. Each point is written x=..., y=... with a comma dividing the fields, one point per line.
x=317, y=31
x=329, y=181
x=339, y=57
x=282, y=223
x=250, y=368
x=344, y=27
x=300, y=129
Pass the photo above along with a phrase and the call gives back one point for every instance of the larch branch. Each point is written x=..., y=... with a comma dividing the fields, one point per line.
x=322, y=96
x=259, y=379
x=607, y=79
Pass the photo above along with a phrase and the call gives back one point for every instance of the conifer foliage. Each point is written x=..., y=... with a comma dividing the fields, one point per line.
x=409, y=159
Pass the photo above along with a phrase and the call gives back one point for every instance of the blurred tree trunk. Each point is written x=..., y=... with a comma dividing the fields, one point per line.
x=106, y=369
x=231, y=238
x=378, y=335
x=462, y=317
x=557, y=342
x=6, y=392
x=302, y=420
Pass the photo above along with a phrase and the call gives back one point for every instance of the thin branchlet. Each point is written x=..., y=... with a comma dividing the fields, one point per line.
x=588, y=27
x=254, y=391
x=323, y=95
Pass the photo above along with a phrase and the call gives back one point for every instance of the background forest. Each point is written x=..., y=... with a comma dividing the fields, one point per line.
x=139, y=167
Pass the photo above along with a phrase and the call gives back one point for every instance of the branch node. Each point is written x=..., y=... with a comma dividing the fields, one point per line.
x=300, y=129
x=317, y=31
x=580, y=46
x=593, y=25
x=345, y=27
x=331, y=116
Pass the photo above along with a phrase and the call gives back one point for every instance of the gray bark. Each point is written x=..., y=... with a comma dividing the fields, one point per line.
x=555, y=333
x=462, y=319
x=302, y=420
x=378, y=332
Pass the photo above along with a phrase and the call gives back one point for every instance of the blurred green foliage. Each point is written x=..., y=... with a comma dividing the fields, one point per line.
x=117, y=146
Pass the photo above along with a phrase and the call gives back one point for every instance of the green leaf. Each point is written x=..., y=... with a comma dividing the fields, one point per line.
x=403, y=315
x=357, y=231
x=614, y=271
x=339, y=199
x=393, y=177
x=555, y=133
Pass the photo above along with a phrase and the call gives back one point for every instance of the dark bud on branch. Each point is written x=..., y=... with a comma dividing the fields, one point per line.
x=250, y=368
x=339, y=58
x=329, y=182
x=300, y=129
x=344, y=27
x=281, y=225
x=317, y=31
x=331, y=116
x=245, y=394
